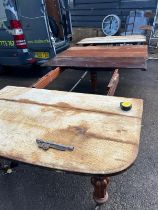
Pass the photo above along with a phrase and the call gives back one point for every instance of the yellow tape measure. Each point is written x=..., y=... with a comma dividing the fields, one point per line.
x=126, y=106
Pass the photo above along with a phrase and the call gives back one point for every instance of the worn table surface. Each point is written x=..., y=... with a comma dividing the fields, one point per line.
x=132, y=56
x=106, y=139
x=113, y=40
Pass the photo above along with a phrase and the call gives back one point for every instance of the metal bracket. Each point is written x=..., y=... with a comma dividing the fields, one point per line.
x=47, y=145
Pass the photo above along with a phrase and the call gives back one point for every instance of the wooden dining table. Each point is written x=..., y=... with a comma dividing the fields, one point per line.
x=94, y=59
x=103, y=139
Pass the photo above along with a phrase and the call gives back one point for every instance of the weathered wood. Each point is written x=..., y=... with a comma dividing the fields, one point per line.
x=91, y=13
x=111, y=88
x=146, y=27
x=102, y=57
x=105, y=138
x=53, y=10
x=105, y=52
x=48, y=78
x=93, y=76
x=100, y=193
x=113, y=40
x=102, y=63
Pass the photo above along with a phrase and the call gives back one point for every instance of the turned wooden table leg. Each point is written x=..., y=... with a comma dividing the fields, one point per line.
x=93, y=75
x=100, y=194
x=8, y=165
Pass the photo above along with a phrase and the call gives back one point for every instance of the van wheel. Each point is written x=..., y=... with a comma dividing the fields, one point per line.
x=53, y=26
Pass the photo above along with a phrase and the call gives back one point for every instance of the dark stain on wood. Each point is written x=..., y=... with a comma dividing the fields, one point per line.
x=120, y=131
x=81, y=133
x=78, y=130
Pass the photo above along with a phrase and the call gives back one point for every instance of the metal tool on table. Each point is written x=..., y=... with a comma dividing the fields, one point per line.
x=45, y=145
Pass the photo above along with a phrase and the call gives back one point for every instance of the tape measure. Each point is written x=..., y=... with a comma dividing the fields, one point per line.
x=126, y=106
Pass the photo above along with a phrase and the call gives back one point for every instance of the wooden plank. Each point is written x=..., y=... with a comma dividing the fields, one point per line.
x=53, y=8
x=85, y=11
x=99, y=63
x=113, y=40
x=48, y=78
x=138, y=4
x=97, y=18
x=97, y=6
x=95, y=12
x=106, y=139
x=86, y=24
x=112, y=86
x=102, y=57
x=105, y=52
x=94, y=1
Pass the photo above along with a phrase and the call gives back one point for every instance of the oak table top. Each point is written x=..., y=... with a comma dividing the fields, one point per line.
x=105, y=138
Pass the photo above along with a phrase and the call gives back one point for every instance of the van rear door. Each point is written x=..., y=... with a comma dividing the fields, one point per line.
x=33, y=17
x=66, y=18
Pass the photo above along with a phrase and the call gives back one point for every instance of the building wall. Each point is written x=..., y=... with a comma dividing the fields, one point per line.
x=90, y=13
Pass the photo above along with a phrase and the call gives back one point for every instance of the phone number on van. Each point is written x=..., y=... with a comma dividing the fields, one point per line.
x=7, y=43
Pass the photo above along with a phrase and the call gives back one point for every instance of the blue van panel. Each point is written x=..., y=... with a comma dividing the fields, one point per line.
x=11, y=57
x=35, y=24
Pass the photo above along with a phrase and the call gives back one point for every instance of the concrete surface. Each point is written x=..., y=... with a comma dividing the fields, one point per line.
x=33, y=188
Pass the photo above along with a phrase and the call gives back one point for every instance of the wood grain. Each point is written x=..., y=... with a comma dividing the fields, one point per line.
x=102, y=57
x=105, y=138
x=48, y=78
x=113, y=40
x=131, y=51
